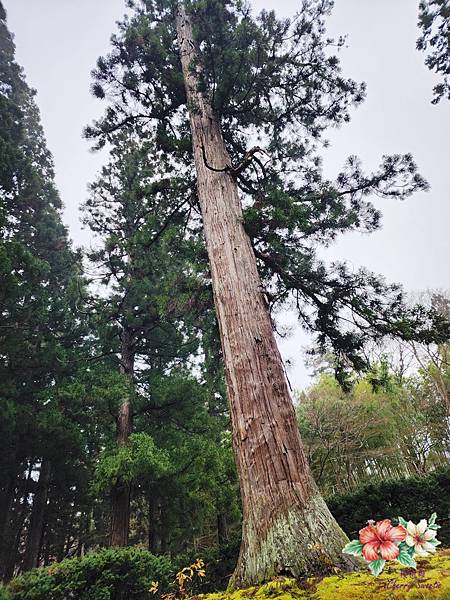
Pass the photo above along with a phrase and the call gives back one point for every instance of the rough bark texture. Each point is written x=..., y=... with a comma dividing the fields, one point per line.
x=287, y=526
x=36, y=526
x=121, y=492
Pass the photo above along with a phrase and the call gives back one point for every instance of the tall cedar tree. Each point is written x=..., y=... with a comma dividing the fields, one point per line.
x=434, y=21
x=39, y=328
x=140, y=219
x=204, y=81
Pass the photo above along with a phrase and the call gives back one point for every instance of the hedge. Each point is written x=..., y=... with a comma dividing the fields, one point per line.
x=412, y=498
x=111, y=574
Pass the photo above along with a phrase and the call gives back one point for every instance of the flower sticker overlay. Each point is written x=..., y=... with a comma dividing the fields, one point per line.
x=381, y=541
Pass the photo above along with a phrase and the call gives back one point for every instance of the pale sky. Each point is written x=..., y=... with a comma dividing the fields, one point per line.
x=58, y=42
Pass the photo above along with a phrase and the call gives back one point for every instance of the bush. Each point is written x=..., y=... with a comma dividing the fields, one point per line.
x=4, y=594
x=413, y=498
x=111, y=574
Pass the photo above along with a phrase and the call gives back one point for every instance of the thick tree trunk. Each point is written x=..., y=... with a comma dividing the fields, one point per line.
x=121, y=492
x=287, y=527
x=36, y=526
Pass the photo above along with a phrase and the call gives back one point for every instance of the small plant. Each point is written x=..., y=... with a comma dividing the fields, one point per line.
x=182, y=581
x=381, y=541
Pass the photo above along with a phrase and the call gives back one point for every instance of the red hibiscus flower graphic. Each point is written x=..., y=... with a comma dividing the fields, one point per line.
x=379, y=539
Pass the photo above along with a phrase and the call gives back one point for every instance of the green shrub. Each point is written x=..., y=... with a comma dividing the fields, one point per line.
x=414, y=498
x=111, y=574
x=4, y=593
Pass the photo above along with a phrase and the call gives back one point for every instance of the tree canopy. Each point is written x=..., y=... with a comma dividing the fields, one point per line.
x=276, y=86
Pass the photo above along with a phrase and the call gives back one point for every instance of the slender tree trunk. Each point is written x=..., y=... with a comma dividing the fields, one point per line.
x=13, y=531
x=12, y=557
x=7, y=490
x=154, y=524
x=121, y=492
x=287, y=527
x=7, y=494
x=47, y=553
x=60, y=549
x=36, y=526
x=222, y=533
x=85, y=533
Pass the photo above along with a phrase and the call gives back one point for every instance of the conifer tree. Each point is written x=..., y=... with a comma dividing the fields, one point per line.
x=203, y=81
x=139, y=219
x=434, y=21
x=40, y=328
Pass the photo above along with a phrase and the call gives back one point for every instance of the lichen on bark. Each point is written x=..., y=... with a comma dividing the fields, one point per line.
x=299, y=542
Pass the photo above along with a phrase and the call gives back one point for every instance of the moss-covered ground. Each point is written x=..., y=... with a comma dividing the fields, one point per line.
x=430, y=581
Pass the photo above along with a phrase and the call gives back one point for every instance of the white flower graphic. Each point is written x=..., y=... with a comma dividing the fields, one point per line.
x=419, y=536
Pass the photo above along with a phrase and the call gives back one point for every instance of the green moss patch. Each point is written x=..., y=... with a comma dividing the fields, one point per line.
x=430, y=581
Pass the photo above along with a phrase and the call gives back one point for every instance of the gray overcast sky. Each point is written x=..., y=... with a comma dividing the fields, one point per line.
x=58, y=42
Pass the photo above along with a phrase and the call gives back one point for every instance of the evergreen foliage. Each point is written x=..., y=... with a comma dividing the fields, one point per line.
x=110, y=574
x=41, y=334
x=434, y=22
x=154, y=312
x=278, y=83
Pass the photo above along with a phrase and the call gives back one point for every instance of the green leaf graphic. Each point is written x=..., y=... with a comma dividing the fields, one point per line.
x=404, y=558
x=376, y=566
x=402, y=521
x=434, y=542
x=354, y=548
x=432, y=520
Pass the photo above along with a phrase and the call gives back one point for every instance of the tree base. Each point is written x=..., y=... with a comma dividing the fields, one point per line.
x=300, y=542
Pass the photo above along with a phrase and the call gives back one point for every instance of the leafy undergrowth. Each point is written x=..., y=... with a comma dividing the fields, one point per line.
x=430, y=581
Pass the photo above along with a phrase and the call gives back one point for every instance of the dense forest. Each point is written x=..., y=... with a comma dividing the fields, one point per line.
x=144, y=403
